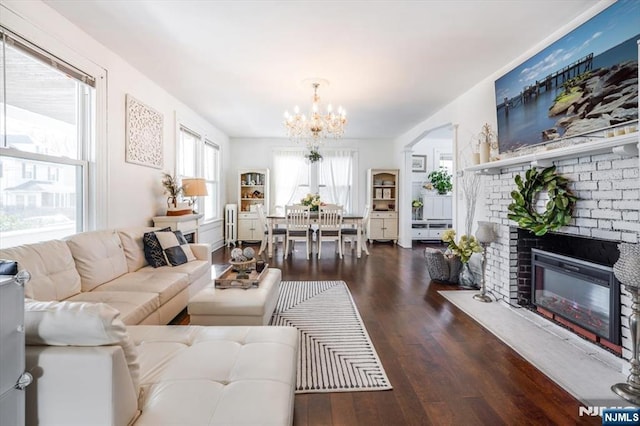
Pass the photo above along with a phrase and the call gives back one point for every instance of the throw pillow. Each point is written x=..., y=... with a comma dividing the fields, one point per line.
x=78, y=324
x=176, y=248
x=152, y=249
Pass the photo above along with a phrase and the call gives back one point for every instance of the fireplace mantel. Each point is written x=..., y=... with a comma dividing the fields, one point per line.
x=604, y=175
x=627, y=144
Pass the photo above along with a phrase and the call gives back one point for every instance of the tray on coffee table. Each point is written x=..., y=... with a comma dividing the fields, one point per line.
x=229, y=278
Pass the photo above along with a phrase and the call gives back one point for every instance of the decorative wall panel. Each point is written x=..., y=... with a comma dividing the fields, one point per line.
x=144, y=134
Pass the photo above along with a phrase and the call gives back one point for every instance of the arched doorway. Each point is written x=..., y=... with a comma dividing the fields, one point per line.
x=431, y=149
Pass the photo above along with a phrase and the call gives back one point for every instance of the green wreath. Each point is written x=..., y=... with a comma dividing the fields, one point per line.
x=558, y=209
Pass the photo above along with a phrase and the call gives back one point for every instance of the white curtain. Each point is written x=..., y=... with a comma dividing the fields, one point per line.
x=336, y=177
x=291, y=177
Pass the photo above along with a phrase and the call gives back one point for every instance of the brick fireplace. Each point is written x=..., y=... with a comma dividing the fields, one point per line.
x=607, y=212
x=569, y=279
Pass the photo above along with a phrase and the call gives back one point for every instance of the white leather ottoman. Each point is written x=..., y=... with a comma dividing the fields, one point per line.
x=233, y=306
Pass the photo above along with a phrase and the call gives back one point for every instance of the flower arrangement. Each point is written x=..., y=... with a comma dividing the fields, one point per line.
x=312, y=200
x=464, y=248
x=441, y=180
x=416, y=204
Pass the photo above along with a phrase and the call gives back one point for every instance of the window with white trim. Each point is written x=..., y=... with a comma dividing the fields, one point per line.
x=199, y=157
x=334, y=175
x=47, y=116
x=211, y=165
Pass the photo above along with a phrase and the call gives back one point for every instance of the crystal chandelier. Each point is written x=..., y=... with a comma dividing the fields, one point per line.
x=315, y=126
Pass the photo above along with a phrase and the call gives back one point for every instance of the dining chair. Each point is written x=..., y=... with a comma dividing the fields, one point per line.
x=264, y=224
x=350, y=233
x=298, y=220
x=329, y=226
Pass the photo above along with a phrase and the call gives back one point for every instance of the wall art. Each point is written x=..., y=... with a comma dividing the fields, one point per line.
x=418, y=163
x=586, y=81
x=143, y=134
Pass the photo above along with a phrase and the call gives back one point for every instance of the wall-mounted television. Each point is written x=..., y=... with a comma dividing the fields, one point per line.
x=585, y=82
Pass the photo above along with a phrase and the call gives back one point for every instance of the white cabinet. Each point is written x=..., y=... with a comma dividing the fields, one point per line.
x=383, y=226
x=249, y=227
x=429, y=230
x=382, y=196
x=253, y=189
x=436, y=207
x=436, y=217
x=12, y=376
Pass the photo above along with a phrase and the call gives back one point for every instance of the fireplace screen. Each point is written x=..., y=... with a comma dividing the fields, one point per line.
x=583, y=293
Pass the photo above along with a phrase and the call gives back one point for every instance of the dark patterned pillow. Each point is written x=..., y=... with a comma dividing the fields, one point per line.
x=153, y=250
x=176, y=248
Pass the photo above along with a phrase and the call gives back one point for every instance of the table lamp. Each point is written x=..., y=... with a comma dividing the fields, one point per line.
x=194, y=187
x=485, y=236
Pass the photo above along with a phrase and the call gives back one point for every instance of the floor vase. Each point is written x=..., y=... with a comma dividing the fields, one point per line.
x=466, y=278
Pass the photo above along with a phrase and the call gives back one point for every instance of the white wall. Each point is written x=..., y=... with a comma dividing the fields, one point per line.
x=129, y=194
x=473, y=109
x=432, y=148
x=258, y=153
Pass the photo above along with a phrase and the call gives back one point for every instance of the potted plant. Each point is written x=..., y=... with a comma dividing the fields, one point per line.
x=313, y=156
x=416, y=206
x=172, y=188
x=441, y=180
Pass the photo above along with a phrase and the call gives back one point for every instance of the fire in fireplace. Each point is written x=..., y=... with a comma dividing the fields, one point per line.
x=583, y=293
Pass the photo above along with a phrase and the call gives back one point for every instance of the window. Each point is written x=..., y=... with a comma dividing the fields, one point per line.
x=187, y=159
x=28, y=171
x=332, y=178
x=212, y=177
x=200, y=157
x=336, y=178
x=47, y=108
x=446, y=161
x=53, y=173
x=291, y=177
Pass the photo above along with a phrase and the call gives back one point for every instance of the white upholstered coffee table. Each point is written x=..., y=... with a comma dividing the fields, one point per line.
x=234, y=306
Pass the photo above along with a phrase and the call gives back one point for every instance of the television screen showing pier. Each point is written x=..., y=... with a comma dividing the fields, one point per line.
x=585, y=82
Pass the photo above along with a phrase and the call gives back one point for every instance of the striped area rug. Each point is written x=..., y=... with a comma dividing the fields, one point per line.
x=336, y=353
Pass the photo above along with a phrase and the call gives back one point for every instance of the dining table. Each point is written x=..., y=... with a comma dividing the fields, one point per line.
x=347, y=219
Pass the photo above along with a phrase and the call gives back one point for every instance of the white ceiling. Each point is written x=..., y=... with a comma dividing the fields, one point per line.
x=391, y=64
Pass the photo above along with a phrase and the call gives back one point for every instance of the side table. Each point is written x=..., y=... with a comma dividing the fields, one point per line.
x=188, y=224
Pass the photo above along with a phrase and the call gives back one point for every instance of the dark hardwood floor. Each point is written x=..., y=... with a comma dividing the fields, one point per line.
x=444, y=367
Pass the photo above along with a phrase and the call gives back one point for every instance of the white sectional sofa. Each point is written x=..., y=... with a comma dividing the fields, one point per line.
x=109, y=266
x=91, y=369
